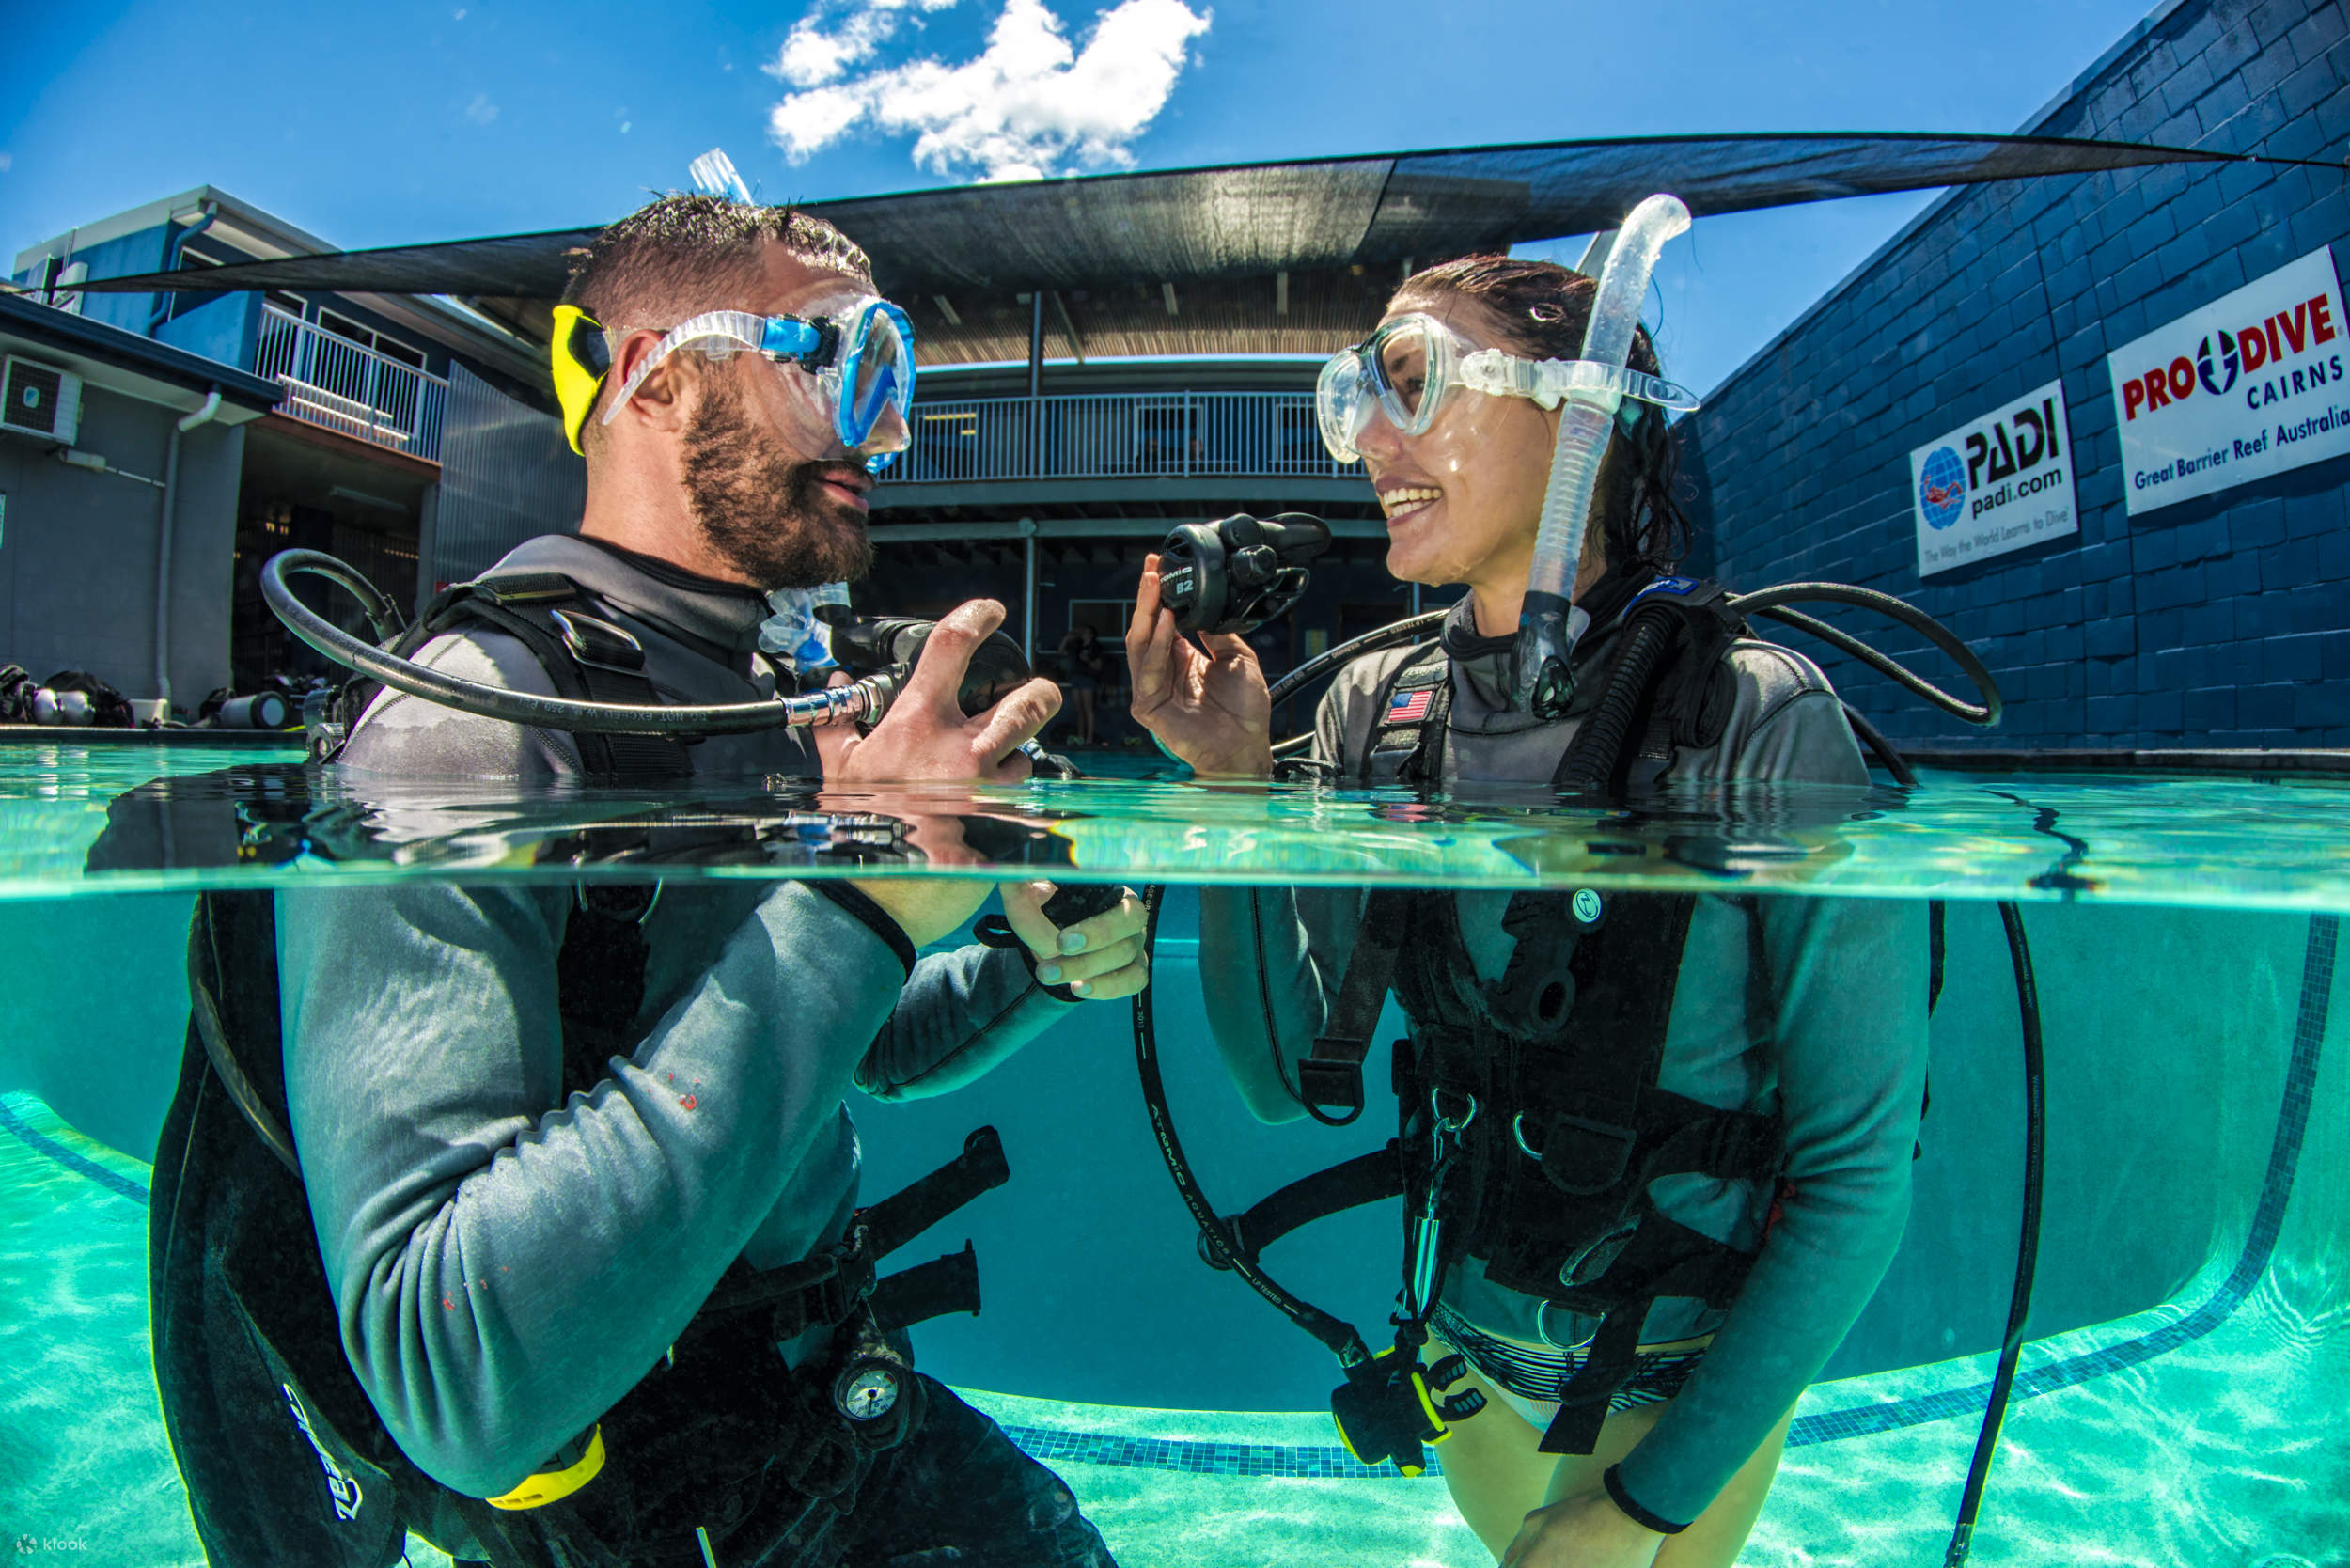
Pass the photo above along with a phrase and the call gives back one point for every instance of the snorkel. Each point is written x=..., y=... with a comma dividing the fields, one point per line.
x=1549, y=623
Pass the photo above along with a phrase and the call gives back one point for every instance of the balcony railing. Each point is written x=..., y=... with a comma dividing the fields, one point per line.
x=336, y=384
x=1116, y=435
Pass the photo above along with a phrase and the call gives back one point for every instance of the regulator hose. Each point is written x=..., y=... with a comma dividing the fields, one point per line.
x=831, y=705
x=1339, y=1338
x=1410, y=629
x=1770, y=602
x=2028, y=1247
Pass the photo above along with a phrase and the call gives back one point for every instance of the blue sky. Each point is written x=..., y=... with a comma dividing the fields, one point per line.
x=380, y=124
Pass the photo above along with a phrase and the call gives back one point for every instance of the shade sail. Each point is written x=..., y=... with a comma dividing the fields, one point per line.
x=1256, y=220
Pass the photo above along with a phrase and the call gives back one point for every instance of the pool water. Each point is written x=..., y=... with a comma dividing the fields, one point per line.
x=2179, y=1400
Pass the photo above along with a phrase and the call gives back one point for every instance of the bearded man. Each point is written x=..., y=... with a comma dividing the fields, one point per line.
x=575, y=1158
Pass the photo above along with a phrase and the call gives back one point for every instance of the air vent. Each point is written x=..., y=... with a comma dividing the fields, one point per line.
x=41, y=399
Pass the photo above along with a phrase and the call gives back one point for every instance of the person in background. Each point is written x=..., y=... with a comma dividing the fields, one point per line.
x=1087, y=666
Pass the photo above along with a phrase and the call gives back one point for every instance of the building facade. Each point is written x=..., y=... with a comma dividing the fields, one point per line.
x=2195, y=591
x=413, y=436
x=121, y=459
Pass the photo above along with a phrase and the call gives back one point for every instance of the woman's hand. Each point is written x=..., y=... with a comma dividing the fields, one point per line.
x=1213, y=709
x=1583, y=1529
x=1099, y=958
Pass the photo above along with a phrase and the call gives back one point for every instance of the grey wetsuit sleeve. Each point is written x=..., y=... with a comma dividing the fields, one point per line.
x=963, y=1012
x=1277, y=954
x=408, y=735
x=505, y=1273
x=1849, y=1019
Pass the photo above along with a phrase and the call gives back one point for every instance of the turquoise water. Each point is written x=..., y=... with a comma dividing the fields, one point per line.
x=2180, y=1397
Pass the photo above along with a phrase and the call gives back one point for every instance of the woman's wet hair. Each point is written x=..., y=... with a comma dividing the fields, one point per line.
x=1545, y=309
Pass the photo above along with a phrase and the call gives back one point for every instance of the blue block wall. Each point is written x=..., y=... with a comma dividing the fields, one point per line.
x=2221, y=622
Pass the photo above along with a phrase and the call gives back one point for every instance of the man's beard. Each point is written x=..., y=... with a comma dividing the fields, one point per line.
x=764, y=514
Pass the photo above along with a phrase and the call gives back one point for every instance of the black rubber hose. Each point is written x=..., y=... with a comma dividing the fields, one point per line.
x=1589, y=767
x=1341, y=1340
x=1874, y=738
x=2027, y=1247
x=1407, y=630
x=603, y=718
x=1769, y=602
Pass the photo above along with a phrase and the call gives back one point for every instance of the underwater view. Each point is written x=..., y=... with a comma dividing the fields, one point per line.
x=2182, y=1350
x=1602, y=842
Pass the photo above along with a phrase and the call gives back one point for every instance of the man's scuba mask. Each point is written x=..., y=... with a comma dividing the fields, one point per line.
x=846, y=369
x=1406, y=372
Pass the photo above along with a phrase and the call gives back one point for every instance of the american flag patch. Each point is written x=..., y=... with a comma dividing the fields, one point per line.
x=1410, y=706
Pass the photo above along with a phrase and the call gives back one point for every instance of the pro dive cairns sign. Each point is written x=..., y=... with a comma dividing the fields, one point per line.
x=1997, y=484
x=2249, y=385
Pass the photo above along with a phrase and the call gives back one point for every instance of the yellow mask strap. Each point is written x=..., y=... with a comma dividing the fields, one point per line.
x=579, y=357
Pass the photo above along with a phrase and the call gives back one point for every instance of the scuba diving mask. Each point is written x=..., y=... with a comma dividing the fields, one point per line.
x=1407, y=370
x=853, y=364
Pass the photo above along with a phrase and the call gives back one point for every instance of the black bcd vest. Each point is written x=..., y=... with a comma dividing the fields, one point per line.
x=284, y=1457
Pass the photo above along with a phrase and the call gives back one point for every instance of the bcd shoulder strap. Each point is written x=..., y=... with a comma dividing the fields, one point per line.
x=588, y=654
x=1407, y=740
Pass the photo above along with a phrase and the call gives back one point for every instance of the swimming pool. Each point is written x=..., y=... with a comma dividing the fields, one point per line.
x=2177, y=1403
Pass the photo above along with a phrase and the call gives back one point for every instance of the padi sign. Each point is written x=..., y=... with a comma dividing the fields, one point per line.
x=1999, y=484
x=2249, y=385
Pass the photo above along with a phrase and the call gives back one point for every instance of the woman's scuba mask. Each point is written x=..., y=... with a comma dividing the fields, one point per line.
x=1407, y=370
x=854, y=361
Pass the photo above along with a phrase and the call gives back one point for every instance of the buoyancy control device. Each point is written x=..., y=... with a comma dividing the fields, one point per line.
x=284, y=1457
x=1521, y=1144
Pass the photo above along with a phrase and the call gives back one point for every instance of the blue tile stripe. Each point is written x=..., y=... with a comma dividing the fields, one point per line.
x=1305, y=1460
x=1054, y=1445
x=40, y=1143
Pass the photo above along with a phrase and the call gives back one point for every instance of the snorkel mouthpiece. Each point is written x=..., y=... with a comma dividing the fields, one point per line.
x=1549, y=623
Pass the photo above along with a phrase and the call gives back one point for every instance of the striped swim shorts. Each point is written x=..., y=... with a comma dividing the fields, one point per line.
x=1529, y=1376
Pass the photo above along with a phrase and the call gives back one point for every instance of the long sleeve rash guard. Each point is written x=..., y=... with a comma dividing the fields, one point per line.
x=506, y=1264
x=1814, y=1008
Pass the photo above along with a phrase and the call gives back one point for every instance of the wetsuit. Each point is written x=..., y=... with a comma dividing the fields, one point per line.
x=1813, y=1008
x=506, y=1265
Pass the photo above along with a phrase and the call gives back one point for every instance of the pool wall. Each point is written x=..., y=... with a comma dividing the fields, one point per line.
x=2169, y=1034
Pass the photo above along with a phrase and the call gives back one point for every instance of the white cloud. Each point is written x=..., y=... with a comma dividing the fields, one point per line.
x=1028, y=105
x=840, y=33
x=482, y=111
x=7, y=162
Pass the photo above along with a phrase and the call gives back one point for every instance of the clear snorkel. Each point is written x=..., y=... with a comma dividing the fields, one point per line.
x=1550, y=624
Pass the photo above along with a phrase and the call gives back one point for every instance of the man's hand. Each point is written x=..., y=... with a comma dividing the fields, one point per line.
x=1099, y=958
x=926, y=737
x=1213, y=709
x=1583, y=1529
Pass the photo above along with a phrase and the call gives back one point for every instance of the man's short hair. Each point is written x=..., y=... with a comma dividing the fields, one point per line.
x=677, y=256
x=682, y=255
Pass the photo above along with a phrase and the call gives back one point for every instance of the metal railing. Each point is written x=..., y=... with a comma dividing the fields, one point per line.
x=1116, y=435
x=342, y=385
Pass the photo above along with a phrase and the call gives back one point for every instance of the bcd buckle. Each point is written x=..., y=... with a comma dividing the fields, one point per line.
x=1388, y=1409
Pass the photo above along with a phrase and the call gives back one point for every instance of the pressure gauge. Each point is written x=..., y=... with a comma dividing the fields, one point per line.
x=867, y=1389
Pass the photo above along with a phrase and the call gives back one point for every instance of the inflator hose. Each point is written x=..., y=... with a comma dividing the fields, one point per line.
x=1589, y=768
x=2027, y=1247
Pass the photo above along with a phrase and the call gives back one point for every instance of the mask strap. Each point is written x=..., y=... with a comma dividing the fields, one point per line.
x=725, y=326
x=1548, y=381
